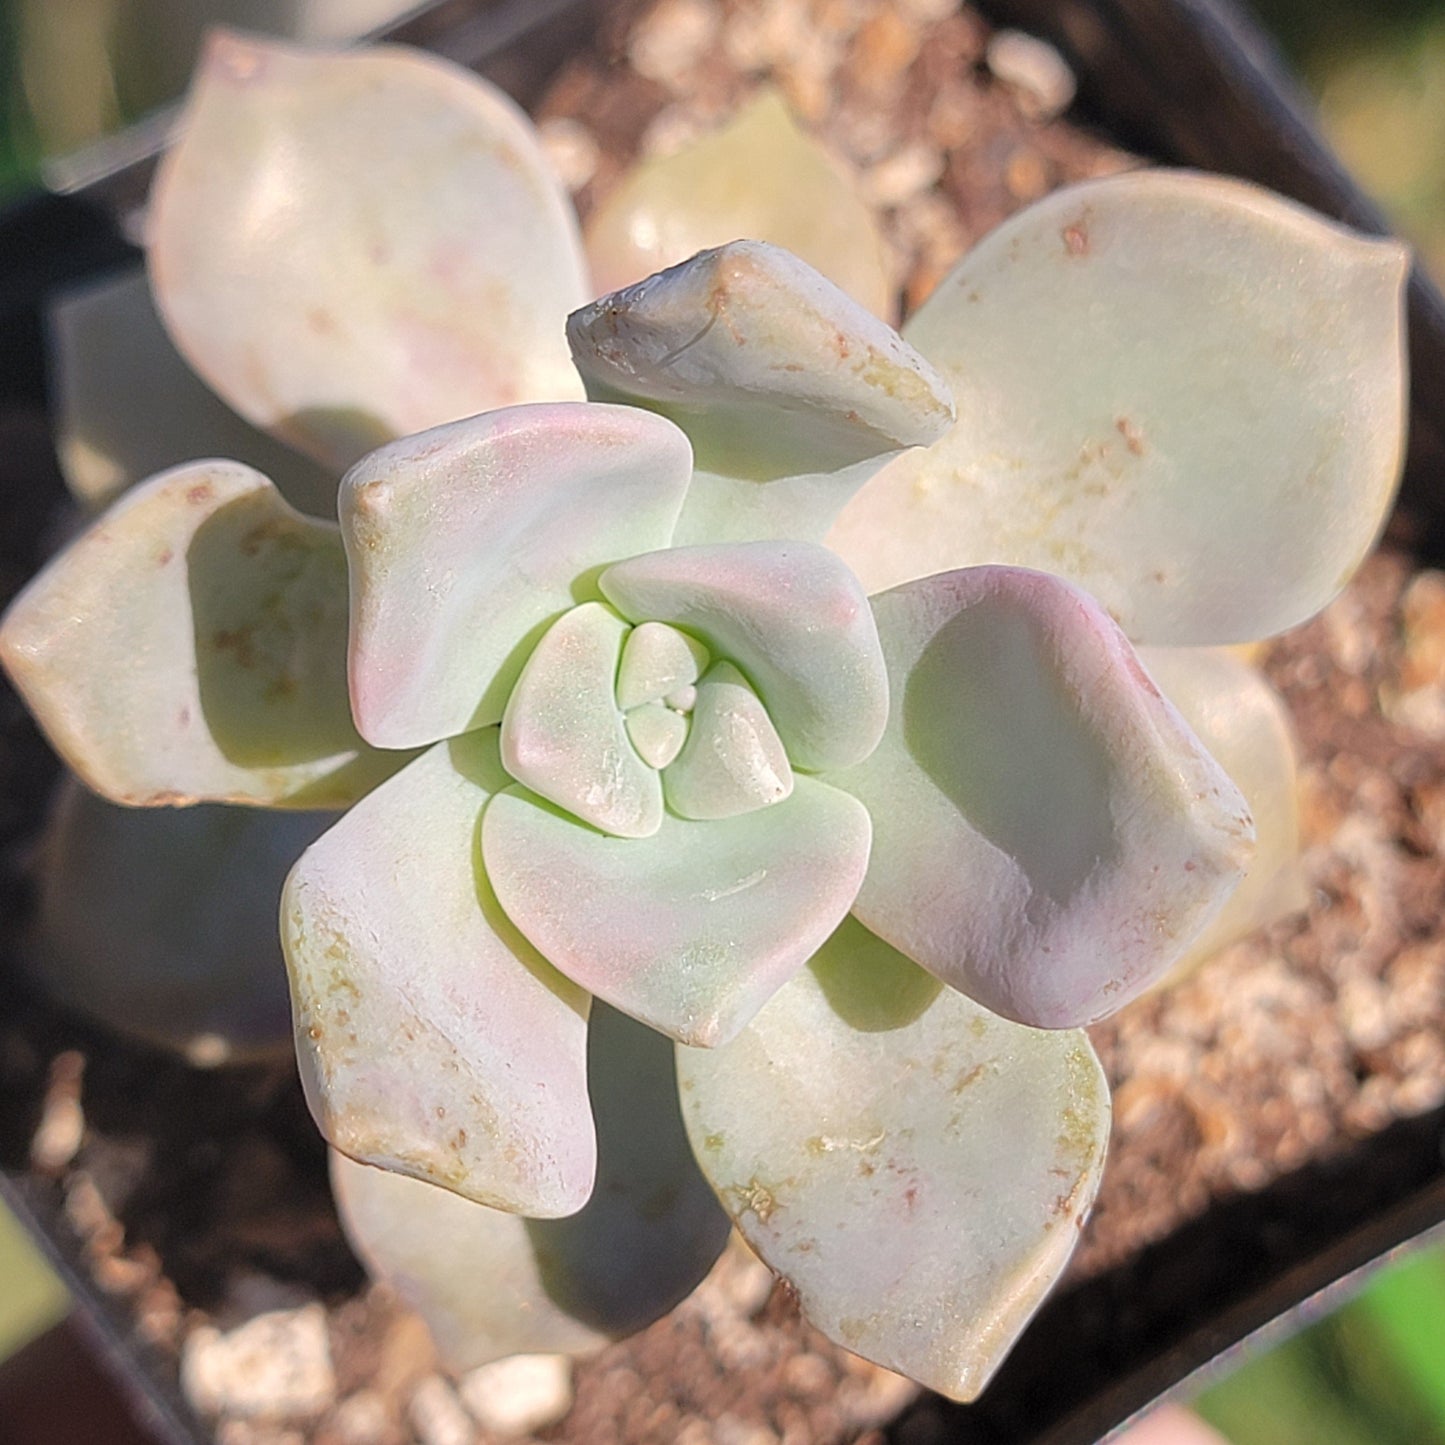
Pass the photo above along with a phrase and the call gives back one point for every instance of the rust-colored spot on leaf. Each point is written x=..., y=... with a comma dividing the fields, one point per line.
x=1076, y=238
x=200, y=494
x=1133, y=437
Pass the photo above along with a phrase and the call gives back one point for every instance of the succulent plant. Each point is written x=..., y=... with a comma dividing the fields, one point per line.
x=627, y=742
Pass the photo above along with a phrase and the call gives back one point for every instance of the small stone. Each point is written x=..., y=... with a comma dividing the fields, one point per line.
x=364, y=1419
x=437, y=1415
x=571, y=149
x=926, y=12
x=58, y=1138
x=673, y=38
x=277, y=1365
x=520, y=1395
x=1032, y=68
x=809, y=1376
x=729, y=1430
x=886, y=47
x=903, y=175
x=742, y=1279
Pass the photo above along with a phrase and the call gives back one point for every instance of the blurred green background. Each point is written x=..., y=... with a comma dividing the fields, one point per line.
x=1373, y=1373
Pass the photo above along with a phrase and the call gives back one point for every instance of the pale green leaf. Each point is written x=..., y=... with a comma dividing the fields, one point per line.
x=733, y=760
x=791, y=393
x=657, y=732
x=127, y=406
x=161, y=922
x=690, y=930
x=761, y=176
x=467, y=541
x=431, y=1038
x=656, y=660
x=491, y=1284
x=563, y=734
x=915, y=1167
x=1182, y=393
x=355, y=246
x=1244, y=724
x=191, y=646
x=792, y=617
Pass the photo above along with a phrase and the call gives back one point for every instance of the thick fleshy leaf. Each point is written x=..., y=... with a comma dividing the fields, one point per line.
x=792, y=617
x=915, y=1167
x=1244, y=724
x=791, y=393
x=760, y=176
x=693, y=929
x=466, y=542
x=491, y=1284
x=128, y=407
x=563, y=734
x=355, y=246
x=432, y=1039
x=161, y=923
x=191, y=646
x=657, y=732
x=1178, y=391
x=656, y=660
x=733, y=760
x=1049, y=836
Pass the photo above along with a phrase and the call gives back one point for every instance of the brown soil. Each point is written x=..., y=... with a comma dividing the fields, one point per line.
x=197, y=1198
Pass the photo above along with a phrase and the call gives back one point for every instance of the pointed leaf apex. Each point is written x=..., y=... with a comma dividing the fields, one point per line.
x=749, y=313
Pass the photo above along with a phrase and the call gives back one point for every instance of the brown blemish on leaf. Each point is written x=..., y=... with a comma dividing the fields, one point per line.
x=1076, y=238
x=1133, y=437
x=200, y=494
x=755, y=1197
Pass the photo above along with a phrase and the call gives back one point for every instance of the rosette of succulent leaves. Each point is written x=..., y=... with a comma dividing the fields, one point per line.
x=752, y=785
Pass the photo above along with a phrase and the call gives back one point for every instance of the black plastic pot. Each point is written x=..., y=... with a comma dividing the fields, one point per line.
x=1186, y=82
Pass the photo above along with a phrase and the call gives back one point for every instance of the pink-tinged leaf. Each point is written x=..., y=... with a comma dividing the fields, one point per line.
x=1244, y=724
x=760, y=176
x=657, y=660
x=1178, y=391
x=432, y=1038
x=692, y=929
x=491, y=1284
x=467, y=542
x=915, y=1167
x=792, y=394
x=792, y=617
x=128, y=406
x=733, y=760
x=563, y=734
x=355, y=246
x=1049, y=836
x=161, y=922
x=191, y=647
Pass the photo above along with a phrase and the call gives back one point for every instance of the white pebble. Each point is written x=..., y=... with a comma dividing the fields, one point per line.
x=1033, y=68
x=519, y=1395
x=571, y=150
x=277, y=1365
x=673, y=38
x=437, y=1415
x=363, y=1419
